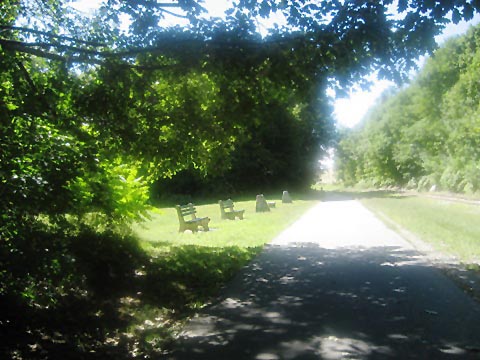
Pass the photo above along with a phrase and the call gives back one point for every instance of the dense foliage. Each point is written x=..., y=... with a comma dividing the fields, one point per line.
x=427, y=133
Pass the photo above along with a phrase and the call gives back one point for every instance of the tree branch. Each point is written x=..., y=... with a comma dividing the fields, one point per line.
x=27, y=76
x=76, y=59
x=181, y=49
x=17, y=46
x=50, y=35
x=173, y=14
x=153, y=4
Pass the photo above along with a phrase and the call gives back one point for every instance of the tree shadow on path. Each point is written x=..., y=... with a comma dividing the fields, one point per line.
x=303, y=301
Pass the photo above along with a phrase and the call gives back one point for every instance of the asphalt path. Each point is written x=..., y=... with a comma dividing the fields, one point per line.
x=338, y=284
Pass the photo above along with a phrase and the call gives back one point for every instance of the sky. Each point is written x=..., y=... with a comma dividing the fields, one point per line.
x=348, y=111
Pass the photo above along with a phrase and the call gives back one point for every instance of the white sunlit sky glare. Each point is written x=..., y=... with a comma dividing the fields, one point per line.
x=349, y=110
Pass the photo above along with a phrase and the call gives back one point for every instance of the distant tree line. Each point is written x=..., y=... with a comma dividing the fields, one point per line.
x=426, y=134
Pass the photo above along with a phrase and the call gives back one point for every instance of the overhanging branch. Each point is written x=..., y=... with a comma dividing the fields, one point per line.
x=50, y=35
x=173, y=14
x=77, y=59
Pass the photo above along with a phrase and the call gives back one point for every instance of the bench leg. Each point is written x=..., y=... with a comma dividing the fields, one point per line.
x=193, y=226
x=230, y=215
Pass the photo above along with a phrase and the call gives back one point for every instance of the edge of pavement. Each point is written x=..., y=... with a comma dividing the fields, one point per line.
x=467, y=279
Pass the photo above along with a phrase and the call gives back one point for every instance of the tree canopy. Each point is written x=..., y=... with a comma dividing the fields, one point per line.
x=427, y=133
x=340, y=38
x=335, y=40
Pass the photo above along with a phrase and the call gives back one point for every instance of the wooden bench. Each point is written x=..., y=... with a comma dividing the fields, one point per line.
x=228, y=212
x=192, y=224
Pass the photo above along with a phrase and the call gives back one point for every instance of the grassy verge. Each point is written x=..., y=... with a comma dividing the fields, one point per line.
x=160, y=234
x=448, y=226
x=193, y=266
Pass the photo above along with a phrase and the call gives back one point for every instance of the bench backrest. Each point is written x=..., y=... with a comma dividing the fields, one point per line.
x=185, y=210
x=226, y=204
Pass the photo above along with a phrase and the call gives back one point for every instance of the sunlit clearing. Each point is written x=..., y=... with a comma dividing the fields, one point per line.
x=350, y=111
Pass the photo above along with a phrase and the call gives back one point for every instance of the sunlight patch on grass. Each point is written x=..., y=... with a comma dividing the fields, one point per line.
x=160, y=234
x=186, y=269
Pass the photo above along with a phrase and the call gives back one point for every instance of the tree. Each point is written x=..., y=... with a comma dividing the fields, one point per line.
x=430, y=127
x=323, y=43
x=345, y=37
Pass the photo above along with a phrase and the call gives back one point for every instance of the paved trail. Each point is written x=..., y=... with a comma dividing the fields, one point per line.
x=337, y=284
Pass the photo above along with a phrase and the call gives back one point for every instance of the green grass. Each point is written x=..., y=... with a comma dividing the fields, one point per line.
x=448, y=226
x=160, y=235
x=182, y=272
x=187, y=269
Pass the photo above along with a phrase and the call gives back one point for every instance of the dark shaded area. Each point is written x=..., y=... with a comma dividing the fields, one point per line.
x=169, y=199
x=308, y=302
x=60, y=299
x=343, y=195
x=103, y=297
